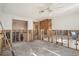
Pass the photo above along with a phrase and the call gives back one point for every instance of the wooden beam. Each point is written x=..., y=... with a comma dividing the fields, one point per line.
x=19, y=35
x=28, y=35
x=15, y=35
x=43, y=34
x=68, y=38
x=52, y=37
x=48, y=35
x=61, y=37
x=77, y=42
x=32, y=34
x=56, y=37
x=0, y=41
x=5, y=45
x=11, y=38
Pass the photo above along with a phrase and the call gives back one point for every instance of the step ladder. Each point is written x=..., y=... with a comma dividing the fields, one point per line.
x=2, y=36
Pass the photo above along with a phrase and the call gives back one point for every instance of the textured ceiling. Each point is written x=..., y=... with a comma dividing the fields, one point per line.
x=32, y=10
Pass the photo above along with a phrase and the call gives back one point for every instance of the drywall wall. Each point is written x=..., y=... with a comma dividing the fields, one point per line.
x=17, y=23
x=69, y=20
x=6, y=20
x=30, y=24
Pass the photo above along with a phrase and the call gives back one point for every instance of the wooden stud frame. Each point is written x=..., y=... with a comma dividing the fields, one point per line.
x=0, y=41
x=42, y=36
x=61, y=38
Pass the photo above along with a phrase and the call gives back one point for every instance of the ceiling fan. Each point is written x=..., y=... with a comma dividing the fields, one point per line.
x=46, y=9
x=49, y=9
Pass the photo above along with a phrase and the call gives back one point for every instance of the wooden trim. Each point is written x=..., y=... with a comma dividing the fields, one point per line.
x=68, y=38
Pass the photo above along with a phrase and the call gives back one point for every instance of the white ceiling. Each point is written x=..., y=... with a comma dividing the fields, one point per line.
x=32, y=10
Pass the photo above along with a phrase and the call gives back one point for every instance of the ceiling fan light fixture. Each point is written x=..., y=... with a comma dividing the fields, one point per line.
x=42, y=11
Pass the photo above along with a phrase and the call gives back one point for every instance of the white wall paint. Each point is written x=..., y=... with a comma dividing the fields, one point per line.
x=67, y=21
x=30, y=25
x=70, y=21
x=6, y=20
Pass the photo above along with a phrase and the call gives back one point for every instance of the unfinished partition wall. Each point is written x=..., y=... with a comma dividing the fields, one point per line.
x=61, y=37
x=54, y=37
x=20, y=35
x=8, y=37
x=42, y=30
x=0, y=42
x=67, y=38
x=72, y=39
x=77, y=41
x=35, y=30
x=45, y=28
x=19, y=30
x=30, y=35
